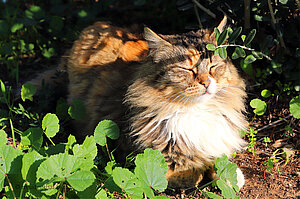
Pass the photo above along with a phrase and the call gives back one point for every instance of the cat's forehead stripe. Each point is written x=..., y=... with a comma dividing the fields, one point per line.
x=197, y=39
x=193, y=56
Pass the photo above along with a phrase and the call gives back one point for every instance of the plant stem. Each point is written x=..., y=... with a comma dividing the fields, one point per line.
x=13, y=133
x=50, y=141
x=22, y=190
x=244, y=47
x=108, y=152
x=252, y=120
x=207, y=184
x=11, y=187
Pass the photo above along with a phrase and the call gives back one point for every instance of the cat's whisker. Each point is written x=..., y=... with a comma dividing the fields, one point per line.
x=177, y=95
x=187, y=99
x=225, y=90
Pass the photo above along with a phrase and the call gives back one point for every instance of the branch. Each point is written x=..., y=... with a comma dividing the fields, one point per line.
x=247, y=14
x=274, y=123
x=246, y=48
x=204, y=9
x=198, y=17
x=274, y=25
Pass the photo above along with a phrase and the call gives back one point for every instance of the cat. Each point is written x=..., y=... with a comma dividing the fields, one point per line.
x=171, y=92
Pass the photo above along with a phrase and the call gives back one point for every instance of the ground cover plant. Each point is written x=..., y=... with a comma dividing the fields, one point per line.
x=41, y=159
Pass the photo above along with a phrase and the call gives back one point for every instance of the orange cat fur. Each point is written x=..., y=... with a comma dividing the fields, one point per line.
x=180, y=99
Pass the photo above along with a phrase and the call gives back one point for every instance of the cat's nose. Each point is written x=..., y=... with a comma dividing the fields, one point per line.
x=205, y=83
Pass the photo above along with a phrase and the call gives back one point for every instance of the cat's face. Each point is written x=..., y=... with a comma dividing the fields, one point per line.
x=186, y=74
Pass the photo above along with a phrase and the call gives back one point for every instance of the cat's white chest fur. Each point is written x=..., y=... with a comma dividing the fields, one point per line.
x=205, y=129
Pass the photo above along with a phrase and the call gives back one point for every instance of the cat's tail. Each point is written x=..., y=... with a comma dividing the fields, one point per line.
x=55, y=79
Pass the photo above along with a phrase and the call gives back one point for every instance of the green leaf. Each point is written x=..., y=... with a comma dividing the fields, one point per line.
x=258, y=18
x=27, y=91
x=35, y=12
x=16, y=27
x=266, y=93
x=77, y=110
x=62, y=109
x=30, y=164
x=3, y=138
x=295, y=107
x=151, y=169
x=257, y=55
x=109, y=167
x=217, y=33
x=88, y=148
x=235, y=34
x=227, y=192
x=81, y=180
x=247, y=68
x=250, y=37
x=249, y=59
x=259, y=106
x=82, y=13
x=160, y=197
x=128, y=182
x=277, y=67
x=226, y=171
x=210, y=47
x=86, y=153
x=238, y=52
x=106, y=128
x=34, y=137
x=222, y=37
x=283, y=1
x=101, y=195
x=222, y=52
x=89, y=192
x=50, y=125
x=3, y=91
x=7, y=156
x=71, y=142
x=243, y=37
x=213, y=195
x=62, y=167
x=48, y=53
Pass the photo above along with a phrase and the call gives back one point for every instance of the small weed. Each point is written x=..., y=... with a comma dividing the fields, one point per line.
x=252, y=141
x=277, y=156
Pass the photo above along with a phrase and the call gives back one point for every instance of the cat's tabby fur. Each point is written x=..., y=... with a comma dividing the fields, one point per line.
x=172, y=93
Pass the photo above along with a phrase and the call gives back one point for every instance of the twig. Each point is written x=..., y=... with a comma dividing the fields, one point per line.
x=246, y=48
x=247, y=14
x=204, y=9
x=198, y=17
x=274, y=22
x=273, y=123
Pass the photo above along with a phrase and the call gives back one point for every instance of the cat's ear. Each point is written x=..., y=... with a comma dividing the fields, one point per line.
x=221, y=28
x=153, y=39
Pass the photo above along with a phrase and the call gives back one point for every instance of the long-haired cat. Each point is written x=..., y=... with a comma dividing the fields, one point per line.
x=173, y=94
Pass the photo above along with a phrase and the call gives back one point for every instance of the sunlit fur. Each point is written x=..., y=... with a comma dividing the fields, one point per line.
x=180, y=99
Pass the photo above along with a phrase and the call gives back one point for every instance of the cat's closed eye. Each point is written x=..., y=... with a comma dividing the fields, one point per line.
x=212, y=69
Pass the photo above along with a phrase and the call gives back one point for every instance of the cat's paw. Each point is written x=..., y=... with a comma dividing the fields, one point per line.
x=240, y=178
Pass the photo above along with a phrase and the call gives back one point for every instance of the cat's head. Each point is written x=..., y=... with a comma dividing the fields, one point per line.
x=185, y=71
